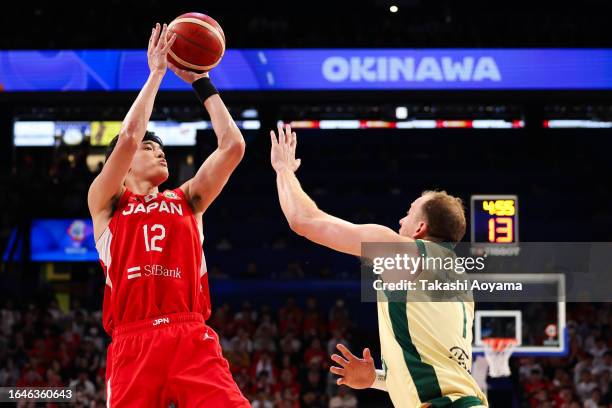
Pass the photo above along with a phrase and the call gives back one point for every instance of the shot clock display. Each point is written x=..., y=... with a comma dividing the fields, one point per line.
x=495, y=220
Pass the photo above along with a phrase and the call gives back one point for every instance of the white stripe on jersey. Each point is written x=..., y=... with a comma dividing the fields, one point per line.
x=103, y=245
x=108, y=393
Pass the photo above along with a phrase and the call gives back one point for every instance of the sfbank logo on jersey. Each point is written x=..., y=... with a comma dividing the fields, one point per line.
x=154, y=270
x=161, y=207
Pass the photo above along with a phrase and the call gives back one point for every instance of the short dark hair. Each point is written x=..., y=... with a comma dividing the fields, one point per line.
x=445, y=216
x=148, y=136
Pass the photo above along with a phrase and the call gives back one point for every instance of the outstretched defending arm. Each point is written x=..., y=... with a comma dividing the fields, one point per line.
x=108, y=185
x=303, y=215
x=216, y=170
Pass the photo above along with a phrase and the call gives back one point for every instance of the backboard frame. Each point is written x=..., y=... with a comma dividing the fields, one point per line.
x=521, y=349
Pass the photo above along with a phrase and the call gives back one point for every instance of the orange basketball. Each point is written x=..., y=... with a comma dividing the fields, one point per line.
x=199, y=44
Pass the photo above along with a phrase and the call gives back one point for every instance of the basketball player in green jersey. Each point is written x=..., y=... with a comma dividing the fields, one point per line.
x=426, y=346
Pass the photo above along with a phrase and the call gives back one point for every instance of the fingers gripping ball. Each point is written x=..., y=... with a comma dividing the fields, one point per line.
x=200, y=42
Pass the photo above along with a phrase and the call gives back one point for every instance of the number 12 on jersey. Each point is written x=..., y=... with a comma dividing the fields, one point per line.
x=151, y=243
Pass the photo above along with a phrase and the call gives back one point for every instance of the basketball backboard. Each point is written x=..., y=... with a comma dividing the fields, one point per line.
x=539, y=327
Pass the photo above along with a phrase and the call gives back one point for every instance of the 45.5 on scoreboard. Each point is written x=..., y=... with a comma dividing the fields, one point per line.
x=494, y=222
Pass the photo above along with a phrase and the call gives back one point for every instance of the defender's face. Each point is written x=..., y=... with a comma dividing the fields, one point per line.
x=413, y=223
x=149, y=163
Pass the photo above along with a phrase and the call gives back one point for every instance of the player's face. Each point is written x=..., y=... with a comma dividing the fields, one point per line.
x=413, y=224
x=149, y=163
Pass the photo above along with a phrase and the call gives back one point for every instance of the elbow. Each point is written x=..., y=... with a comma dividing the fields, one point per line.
x=239, y=147
x=127, y=141
x=300, y=225
x=132, y=129
x=236, y=149
x=129, y=135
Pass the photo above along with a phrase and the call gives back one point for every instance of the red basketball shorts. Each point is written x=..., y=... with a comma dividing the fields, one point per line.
x=173, y=358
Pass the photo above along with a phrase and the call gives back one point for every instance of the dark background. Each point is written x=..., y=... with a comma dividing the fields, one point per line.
x=316, y=23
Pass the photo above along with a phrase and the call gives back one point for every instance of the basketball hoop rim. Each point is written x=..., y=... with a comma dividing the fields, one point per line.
x=499, y=344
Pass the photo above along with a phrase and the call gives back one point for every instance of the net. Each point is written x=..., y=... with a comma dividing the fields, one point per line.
x=497, y=352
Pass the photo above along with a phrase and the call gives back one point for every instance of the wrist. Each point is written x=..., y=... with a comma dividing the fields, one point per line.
x=284, y=170
x=157, y=72
x=204, y=88
x=379, y=381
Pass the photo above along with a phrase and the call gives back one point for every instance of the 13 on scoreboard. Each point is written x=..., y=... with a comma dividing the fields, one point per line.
x=494, y=220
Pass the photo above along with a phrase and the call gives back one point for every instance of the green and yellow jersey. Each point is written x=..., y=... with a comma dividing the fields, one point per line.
x=427, y=346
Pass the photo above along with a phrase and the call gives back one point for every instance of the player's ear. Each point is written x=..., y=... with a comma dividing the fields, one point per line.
x=421, y=230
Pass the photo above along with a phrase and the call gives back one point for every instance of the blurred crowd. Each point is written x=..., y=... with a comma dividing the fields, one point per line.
x=582, y=379
x=279, y=358
x=43, y=346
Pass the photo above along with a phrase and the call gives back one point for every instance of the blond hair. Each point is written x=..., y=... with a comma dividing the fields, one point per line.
x=445, y=216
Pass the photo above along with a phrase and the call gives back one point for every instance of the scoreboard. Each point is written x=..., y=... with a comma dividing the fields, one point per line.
x=494, y=222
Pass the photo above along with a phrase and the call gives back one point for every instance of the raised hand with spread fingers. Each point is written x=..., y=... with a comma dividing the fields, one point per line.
x=159, y=45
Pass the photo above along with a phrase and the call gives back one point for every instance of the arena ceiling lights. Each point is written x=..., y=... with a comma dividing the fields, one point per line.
x=338, y=124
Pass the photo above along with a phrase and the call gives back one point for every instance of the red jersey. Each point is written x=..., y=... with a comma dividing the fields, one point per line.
x=153, y=260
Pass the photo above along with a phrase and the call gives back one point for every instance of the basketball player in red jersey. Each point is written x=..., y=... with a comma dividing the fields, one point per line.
x=156, y=298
